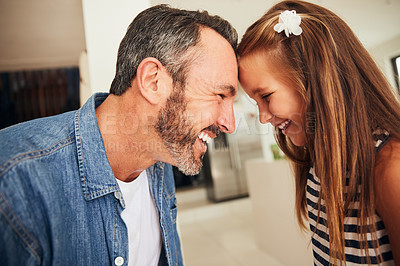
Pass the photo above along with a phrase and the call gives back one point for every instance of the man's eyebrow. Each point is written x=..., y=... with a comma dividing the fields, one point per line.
x=231, y=90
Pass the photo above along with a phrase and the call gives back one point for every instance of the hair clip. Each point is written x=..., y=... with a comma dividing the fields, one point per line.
x=290, y=22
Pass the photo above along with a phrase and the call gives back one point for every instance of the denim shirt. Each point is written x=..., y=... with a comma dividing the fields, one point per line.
x=60, y=203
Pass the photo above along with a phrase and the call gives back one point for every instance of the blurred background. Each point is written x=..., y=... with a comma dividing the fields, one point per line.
x=54, y=54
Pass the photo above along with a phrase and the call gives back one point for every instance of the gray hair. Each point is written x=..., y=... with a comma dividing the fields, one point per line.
x=166, y=34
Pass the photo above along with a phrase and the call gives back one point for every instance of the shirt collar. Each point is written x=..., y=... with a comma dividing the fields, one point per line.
x=95, y=172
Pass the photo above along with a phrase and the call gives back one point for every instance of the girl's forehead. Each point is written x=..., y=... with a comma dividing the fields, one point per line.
x=263, y=63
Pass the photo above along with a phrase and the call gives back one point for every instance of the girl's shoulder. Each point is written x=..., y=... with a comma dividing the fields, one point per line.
x=387, y=164
x=388, y=157
x=387, y=171
x=387, y=191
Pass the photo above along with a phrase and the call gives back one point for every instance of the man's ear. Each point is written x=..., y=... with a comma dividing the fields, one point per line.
x=150, y=74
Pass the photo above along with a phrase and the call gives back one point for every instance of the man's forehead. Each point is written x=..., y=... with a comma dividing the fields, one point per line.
x=213, y=63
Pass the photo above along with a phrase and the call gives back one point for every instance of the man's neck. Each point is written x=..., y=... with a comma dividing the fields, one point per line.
x=128, y=138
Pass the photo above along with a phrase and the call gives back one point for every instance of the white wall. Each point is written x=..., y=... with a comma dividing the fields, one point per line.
x=272, y=194
x=383, y=54
x=105, y=25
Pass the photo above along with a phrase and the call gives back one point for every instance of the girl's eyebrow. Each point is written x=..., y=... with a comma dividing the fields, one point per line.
x=259, y=90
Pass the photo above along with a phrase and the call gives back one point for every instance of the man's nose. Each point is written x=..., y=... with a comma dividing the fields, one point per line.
x=226, y=120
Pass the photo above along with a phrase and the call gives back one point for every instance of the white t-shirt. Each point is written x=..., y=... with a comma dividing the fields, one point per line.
x=141, y=218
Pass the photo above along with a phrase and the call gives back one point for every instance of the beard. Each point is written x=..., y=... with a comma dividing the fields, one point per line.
x=176, y=130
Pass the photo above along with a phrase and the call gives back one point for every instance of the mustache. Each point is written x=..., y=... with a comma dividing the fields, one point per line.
x=214, y=129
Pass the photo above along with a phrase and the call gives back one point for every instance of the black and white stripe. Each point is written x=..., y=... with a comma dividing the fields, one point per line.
x=320, y=240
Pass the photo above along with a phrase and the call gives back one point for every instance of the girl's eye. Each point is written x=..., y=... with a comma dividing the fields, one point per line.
x=266, y=96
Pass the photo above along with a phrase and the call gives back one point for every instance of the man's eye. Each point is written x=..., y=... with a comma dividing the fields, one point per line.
x=223, y=96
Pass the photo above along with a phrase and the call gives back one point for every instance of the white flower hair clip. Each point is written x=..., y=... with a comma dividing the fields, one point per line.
x=290, y=22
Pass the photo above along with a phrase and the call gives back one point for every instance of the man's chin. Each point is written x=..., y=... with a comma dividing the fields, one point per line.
x=191, y=168
x=189, y=172
x=188, y=162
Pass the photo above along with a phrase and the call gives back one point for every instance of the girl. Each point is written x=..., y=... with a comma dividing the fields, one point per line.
x=338, y=120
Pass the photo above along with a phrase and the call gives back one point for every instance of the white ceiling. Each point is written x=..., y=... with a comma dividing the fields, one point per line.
x=33, y=32
x=40, y=33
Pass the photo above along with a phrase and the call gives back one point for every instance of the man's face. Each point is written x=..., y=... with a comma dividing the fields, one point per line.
x=195, y=114
x=177, y=131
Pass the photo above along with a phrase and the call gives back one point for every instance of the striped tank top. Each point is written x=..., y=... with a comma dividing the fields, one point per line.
x=320, y=239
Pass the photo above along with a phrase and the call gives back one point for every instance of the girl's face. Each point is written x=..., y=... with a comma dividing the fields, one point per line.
x=279, y=103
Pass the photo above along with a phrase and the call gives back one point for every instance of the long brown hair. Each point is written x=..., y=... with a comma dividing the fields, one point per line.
x=346, y=98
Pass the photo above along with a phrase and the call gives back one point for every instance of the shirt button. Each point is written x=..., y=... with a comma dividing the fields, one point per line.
x=119, y=261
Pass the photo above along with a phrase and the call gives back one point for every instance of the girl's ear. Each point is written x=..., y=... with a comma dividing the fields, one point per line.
x=151, y=77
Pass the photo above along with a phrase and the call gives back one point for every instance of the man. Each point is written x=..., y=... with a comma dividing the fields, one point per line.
x=95, y=186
